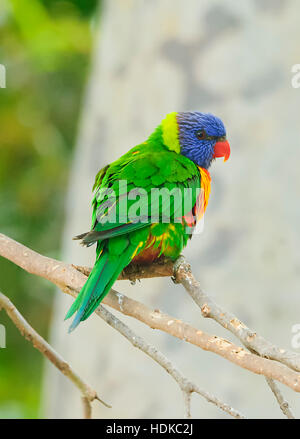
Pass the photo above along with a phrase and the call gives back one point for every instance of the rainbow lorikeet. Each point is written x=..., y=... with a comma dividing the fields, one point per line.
x=176, y=157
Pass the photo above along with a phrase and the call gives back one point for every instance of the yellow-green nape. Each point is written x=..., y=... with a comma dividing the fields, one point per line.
x=170, y=132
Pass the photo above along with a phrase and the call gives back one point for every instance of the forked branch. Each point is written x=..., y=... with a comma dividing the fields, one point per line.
x=264, y=358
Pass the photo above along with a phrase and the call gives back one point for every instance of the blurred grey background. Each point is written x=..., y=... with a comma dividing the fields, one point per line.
x=233, y=59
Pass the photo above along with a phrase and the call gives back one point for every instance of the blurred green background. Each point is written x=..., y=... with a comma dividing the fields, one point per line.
x=45, y=47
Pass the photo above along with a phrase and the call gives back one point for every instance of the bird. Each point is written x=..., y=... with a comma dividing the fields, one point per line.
x=129, y=222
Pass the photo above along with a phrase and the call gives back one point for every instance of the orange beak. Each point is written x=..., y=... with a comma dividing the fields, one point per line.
x=222, y=149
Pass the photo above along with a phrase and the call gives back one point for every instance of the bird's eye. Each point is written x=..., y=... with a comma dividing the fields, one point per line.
x=201, y=134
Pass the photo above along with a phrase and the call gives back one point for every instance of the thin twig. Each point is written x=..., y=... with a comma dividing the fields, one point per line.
x=87, y=408
x=88, y=394
x=283, y=404
x=187, y=403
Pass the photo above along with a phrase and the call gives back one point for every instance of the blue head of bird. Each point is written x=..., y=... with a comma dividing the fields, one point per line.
x=202, y=137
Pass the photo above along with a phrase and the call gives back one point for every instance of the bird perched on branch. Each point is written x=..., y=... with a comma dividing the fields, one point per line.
x=148, y=202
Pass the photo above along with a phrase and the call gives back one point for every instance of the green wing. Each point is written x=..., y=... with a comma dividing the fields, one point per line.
x=135, y=175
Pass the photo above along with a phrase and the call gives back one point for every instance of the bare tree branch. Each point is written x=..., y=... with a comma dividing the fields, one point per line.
x=184, y=383
x=70, y=280
x=156, y=319
x=88, y=394
x=186, y=386
x=167, y=268
x=183, y=274
x=161, y=268
x=253, y=341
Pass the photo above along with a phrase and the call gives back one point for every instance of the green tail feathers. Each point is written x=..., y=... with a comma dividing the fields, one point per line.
x=104, y=273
